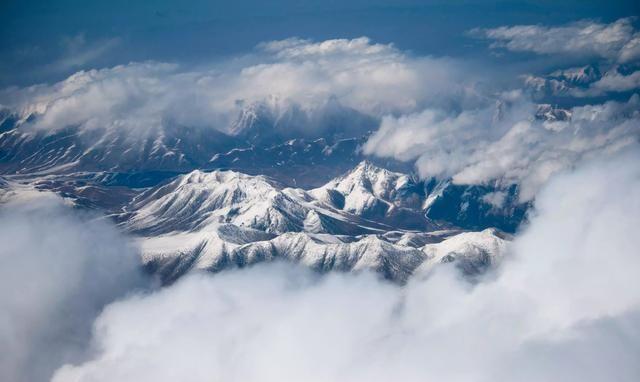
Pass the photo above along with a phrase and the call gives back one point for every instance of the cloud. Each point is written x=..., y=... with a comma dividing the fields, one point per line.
x=565, y=306
x=77, y=52
x=505, y=142
x=300, y=48
x=496, y=199
x=57, y=270
x=609, y=83
x=282, y=76
x=582, y=82
x=438, y=112
x=617, y=41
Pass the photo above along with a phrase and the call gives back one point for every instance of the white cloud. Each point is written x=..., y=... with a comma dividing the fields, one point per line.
x=565, y=307
x=373, y=79
x=581, y=82
x=474, y=147
x=611, y=82
x=78, y=52
x=57, y=270
x=300, y=48
x=436, y=111
x=448, y=139
x=617, y=41
x=630, y=52
x=496, y=199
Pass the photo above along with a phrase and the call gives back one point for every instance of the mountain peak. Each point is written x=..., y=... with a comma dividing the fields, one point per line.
x=370, y=178
x=578, y=75
x=198, y=199
x=377, y=194
x=367, y=168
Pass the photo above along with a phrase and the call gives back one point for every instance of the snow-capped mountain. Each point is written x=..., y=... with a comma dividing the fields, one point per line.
x=296, y=162
x=378, y=194
x=171, y=256
x=221, y=219
x=367, y=198
x=547, y=112
x=104, y=168
x=27, y=150
x=577, y=76
x=563, y=81
x=199, y=199
x=275, y=119
x=473, y=252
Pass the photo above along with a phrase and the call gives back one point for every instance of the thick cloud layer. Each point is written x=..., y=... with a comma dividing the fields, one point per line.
x=504, y=142
x=57, y=271
x=565, y=307
x=609, y=83
x=442, y=114
x=281, y=76
x=617, y=41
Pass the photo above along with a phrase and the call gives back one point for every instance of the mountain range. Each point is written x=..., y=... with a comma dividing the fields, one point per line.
x=197, y=199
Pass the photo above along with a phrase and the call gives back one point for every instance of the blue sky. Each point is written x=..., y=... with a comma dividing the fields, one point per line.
x=44, y=41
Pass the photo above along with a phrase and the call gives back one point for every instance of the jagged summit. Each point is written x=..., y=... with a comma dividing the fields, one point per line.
x=370, y=179
x=377, y=193
x=579, y=75
x=197, y=199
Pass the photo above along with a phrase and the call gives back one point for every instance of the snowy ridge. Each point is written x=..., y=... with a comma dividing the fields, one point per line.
x=474, y=251
x=579, y=75
x=365, y=188
x=201, y=200
x=174, y=255
x=562, y=82
x=26, y=149
x=549, y=113
x=378, y=194
x=275, y=119
x=197, y=199
x=220, y=219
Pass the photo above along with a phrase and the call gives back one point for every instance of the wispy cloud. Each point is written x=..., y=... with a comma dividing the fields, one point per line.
x=611, y=82
x=617, y=41
x=78, y=52
x=286, y=77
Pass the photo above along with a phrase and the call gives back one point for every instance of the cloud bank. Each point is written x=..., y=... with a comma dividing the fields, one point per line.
x=611, y=82
x=505, y=142
x=282, y=76
x=617, y=41
x=57, y=270
x=566, y=306
x=443, y=114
